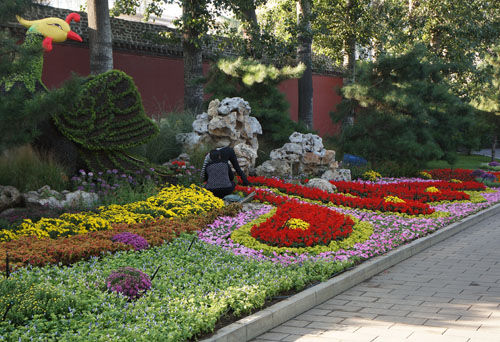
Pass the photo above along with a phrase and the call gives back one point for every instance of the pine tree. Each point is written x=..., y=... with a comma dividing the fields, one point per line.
x=405, y=111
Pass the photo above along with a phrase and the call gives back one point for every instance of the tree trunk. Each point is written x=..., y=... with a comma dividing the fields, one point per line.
x=304, y=53
x=193, y=72
x=251, y=31
x=100, y=36
x=193, y=63
x=349, y=59
x=412, y=16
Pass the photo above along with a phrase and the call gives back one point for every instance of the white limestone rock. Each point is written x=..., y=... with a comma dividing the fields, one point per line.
x=321, y=184
x=274, y=168
x=9, y=197
x=232, y=104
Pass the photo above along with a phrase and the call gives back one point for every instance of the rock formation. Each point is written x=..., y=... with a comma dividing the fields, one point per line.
x=46, y=196
x=226, y=123
x=304, y=154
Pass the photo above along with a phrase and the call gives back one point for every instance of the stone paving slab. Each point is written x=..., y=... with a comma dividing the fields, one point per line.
x=423, y=291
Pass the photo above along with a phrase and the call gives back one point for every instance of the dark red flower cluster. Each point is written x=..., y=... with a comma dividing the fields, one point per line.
x=415, y=191
x=325, y=225
x=372, y=203
x=447, y=174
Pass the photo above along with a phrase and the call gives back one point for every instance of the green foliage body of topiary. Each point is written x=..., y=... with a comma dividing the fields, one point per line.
x=21, y=88
x=257, y=83
x=104, y=119
x=107, y=115
x=405, y=111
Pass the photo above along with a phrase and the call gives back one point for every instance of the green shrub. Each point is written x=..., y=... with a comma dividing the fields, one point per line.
x=164, y=146
x=396, y=169
x=27, y=170
x=358, y=171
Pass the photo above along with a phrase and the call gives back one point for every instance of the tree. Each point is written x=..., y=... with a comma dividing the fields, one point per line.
x=341, y=26
x=406, y=112
x=100, y=36
x=487, y=100
x=457, y=31
x=304, y=52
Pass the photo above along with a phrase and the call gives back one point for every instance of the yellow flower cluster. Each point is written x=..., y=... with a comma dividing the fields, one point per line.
x=371, y=175
x=296, y=223
x=393, y=199
x=172, y=201
x=425, y=175
x=432, y=189
x=66, y=224
x=455, y=180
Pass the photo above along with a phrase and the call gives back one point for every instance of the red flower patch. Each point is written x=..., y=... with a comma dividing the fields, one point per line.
x=447, y=174
x=415, y=191
x=325, y=225
x=411, y=207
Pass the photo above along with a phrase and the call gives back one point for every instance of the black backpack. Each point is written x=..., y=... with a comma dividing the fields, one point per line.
x=218, y=172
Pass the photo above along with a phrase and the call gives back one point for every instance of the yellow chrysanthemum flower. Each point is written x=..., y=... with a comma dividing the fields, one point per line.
x=432, y=189
x=371, y=175
x=425, y=175
x=296, y=223
x=393, y=199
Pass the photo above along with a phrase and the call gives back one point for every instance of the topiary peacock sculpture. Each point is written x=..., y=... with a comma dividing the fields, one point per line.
x=106, y=116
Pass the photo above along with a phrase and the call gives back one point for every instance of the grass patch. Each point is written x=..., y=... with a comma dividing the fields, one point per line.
x=27, y=169
x=463, y=162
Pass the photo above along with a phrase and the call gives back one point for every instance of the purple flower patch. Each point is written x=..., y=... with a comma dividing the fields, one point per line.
x=129, y=281
x=134, y=240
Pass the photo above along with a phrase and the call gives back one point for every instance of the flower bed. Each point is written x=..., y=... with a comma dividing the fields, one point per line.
x=170, y=202
x=199, y=282
x=32, y=251
x=302, y=225
x=390, y=231
x=464, y=175
x=372, y=203
x=417, y=191
x=193, y=288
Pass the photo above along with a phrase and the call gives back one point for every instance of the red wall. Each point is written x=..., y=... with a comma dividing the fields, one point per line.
x=160, y=81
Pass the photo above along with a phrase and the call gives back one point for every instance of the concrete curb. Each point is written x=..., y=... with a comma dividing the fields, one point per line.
x=254, y=325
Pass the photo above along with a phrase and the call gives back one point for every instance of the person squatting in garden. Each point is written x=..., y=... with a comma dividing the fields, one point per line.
x=217, y=172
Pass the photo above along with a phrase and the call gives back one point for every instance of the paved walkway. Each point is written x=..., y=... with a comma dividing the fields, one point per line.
x=449, y=292
x=487, y=152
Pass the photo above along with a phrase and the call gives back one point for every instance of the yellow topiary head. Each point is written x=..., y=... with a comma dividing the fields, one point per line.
x=53, y=29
